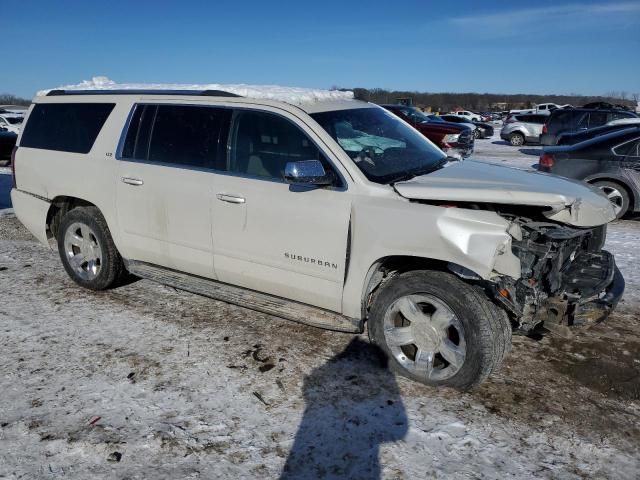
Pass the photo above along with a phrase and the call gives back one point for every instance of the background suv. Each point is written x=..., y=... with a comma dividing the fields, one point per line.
x=571, y=120
x=521, y=129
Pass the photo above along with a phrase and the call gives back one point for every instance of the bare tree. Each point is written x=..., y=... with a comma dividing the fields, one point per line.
x=9, y=99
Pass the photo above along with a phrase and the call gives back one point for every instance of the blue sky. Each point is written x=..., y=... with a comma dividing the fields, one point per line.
x=589, y=47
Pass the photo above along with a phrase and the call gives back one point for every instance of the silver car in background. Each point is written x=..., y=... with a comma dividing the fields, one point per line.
x=521, y=129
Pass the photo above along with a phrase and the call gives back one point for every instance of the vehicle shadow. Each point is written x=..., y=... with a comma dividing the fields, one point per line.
x=500, y=142
x=531, y=151
x=353, y=405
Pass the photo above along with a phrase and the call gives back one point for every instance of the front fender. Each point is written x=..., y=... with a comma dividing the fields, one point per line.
x=477, y=240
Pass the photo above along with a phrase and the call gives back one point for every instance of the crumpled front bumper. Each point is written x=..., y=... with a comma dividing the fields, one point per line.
x=598, y=309
x=591, y=289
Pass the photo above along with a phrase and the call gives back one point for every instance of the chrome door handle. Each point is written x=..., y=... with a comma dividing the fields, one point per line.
x=132, y=181
x=230, y=198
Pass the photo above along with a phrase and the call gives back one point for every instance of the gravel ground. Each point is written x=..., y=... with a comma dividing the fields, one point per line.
x=148, y=382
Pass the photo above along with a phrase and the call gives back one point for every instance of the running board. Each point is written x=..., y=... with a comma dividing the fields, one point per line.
x=261, y=302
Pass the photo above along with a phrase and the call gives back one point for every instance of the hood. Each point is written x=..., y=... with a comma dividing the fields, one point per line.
x=567, y=201
x=443, y=127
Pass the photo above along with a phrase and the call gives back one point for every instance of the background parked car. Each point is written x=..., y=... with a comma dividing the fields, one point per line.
x=477, y=133
x=474, y=117
x=485, y=130
x=11, y=122
x=610, y=162
x=572, y=120
x=453, y=139
x=7, y=142
x=577, y=137
x=521, y=129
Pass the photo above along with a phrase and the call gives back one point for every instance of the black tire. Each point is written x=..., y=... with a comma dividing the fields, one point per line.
x=476, y=133
x=111, y=271
x=486, y=327
x=618, y=194
x=516, y=139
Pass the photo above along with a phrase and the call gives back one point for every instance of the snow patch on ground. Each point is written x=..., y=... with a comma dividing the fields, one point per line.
x=496, y=150
x=263, y=92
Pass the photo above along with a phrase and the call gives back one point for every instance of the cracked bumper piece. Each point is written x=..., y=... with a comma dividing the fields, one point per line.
x=598, y=309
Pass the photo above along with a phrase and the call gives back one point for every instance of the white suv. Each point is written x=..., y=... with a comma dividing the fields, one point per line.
x=317, y=208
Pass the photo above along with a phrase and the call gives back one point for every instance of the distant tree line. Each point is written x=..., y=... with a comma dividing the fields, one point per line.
x=446, y=102
x=481, y=102
x=9, y=99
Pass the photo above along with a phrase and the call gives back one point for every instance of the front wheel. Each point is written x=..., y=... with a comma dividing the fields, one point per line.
x=438, y=330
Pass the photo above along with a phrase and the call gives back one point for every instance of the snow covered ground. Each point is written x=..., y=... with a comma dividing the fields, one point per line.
x=148, y=382
x=496, y=150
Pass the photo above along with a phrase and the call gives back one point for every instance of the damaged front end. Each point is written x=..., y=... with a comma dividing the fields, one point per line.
x=566, y=278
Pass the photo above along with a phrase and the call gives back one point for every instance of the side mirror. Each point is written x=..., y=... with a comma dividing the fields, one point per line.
x=307, y=172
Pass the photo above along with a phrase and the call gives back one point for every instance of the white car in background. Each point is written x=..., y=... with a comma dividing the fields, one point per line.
x=472, y=117
x=11, y=122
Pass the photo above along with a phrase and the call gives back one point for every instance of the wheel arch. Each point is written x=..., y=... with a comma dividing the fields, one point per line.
x=386, y=267
x=60, y=205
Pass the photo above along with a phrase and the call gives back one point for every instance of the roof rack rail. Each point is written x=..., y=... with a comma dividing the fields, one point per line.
x=208, y=93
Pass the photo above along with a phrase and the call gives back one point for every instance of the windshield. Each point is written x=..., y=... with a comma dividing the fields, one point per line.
x=383, y=147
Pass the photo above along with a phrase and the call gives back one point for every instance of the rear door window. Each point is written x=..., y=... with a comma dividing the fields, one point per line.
x=178, y=135
x=65, y=127
x=597, y=119
x=583, y=122
x=560, y=120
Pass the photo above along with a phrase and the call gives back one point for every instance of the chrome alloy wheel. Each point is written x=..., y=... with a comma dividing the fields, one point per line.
x=517, y=140
x=615, y=197
x=425, y=336
x=83, y=251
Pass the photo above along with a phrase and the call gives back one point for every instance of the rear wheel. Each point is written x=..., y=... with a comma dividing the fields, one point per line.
x=87, y=250
x=476, y=133
x=438, y=330
x=516, y=139
x=617, y=195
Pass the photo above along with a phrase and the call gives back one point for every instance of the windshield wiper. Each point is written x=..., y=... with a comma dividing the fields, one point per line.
x=416, y=173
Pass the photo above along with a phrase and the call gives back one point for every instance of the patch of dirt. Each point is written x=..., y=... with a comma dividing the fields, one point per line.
x=12, y=229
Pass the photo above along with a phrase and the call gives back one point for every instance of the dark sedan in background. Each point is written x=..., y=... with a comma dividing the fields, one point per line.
x=577, y=137
x=7, y=142
x=610, y=162
x=482, y=130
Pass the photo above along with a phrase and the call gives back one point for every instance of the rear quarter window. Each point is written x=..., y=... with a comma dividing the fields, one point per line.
x=178, y=135
x=65, y=127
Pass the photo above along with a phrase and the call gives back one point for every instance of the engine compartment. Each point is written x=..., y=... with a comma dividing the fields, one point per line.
x=562, y=268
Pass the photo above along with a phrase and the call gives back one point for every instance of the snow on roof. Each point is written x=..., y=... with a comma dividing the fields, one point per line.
x=264, y=92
